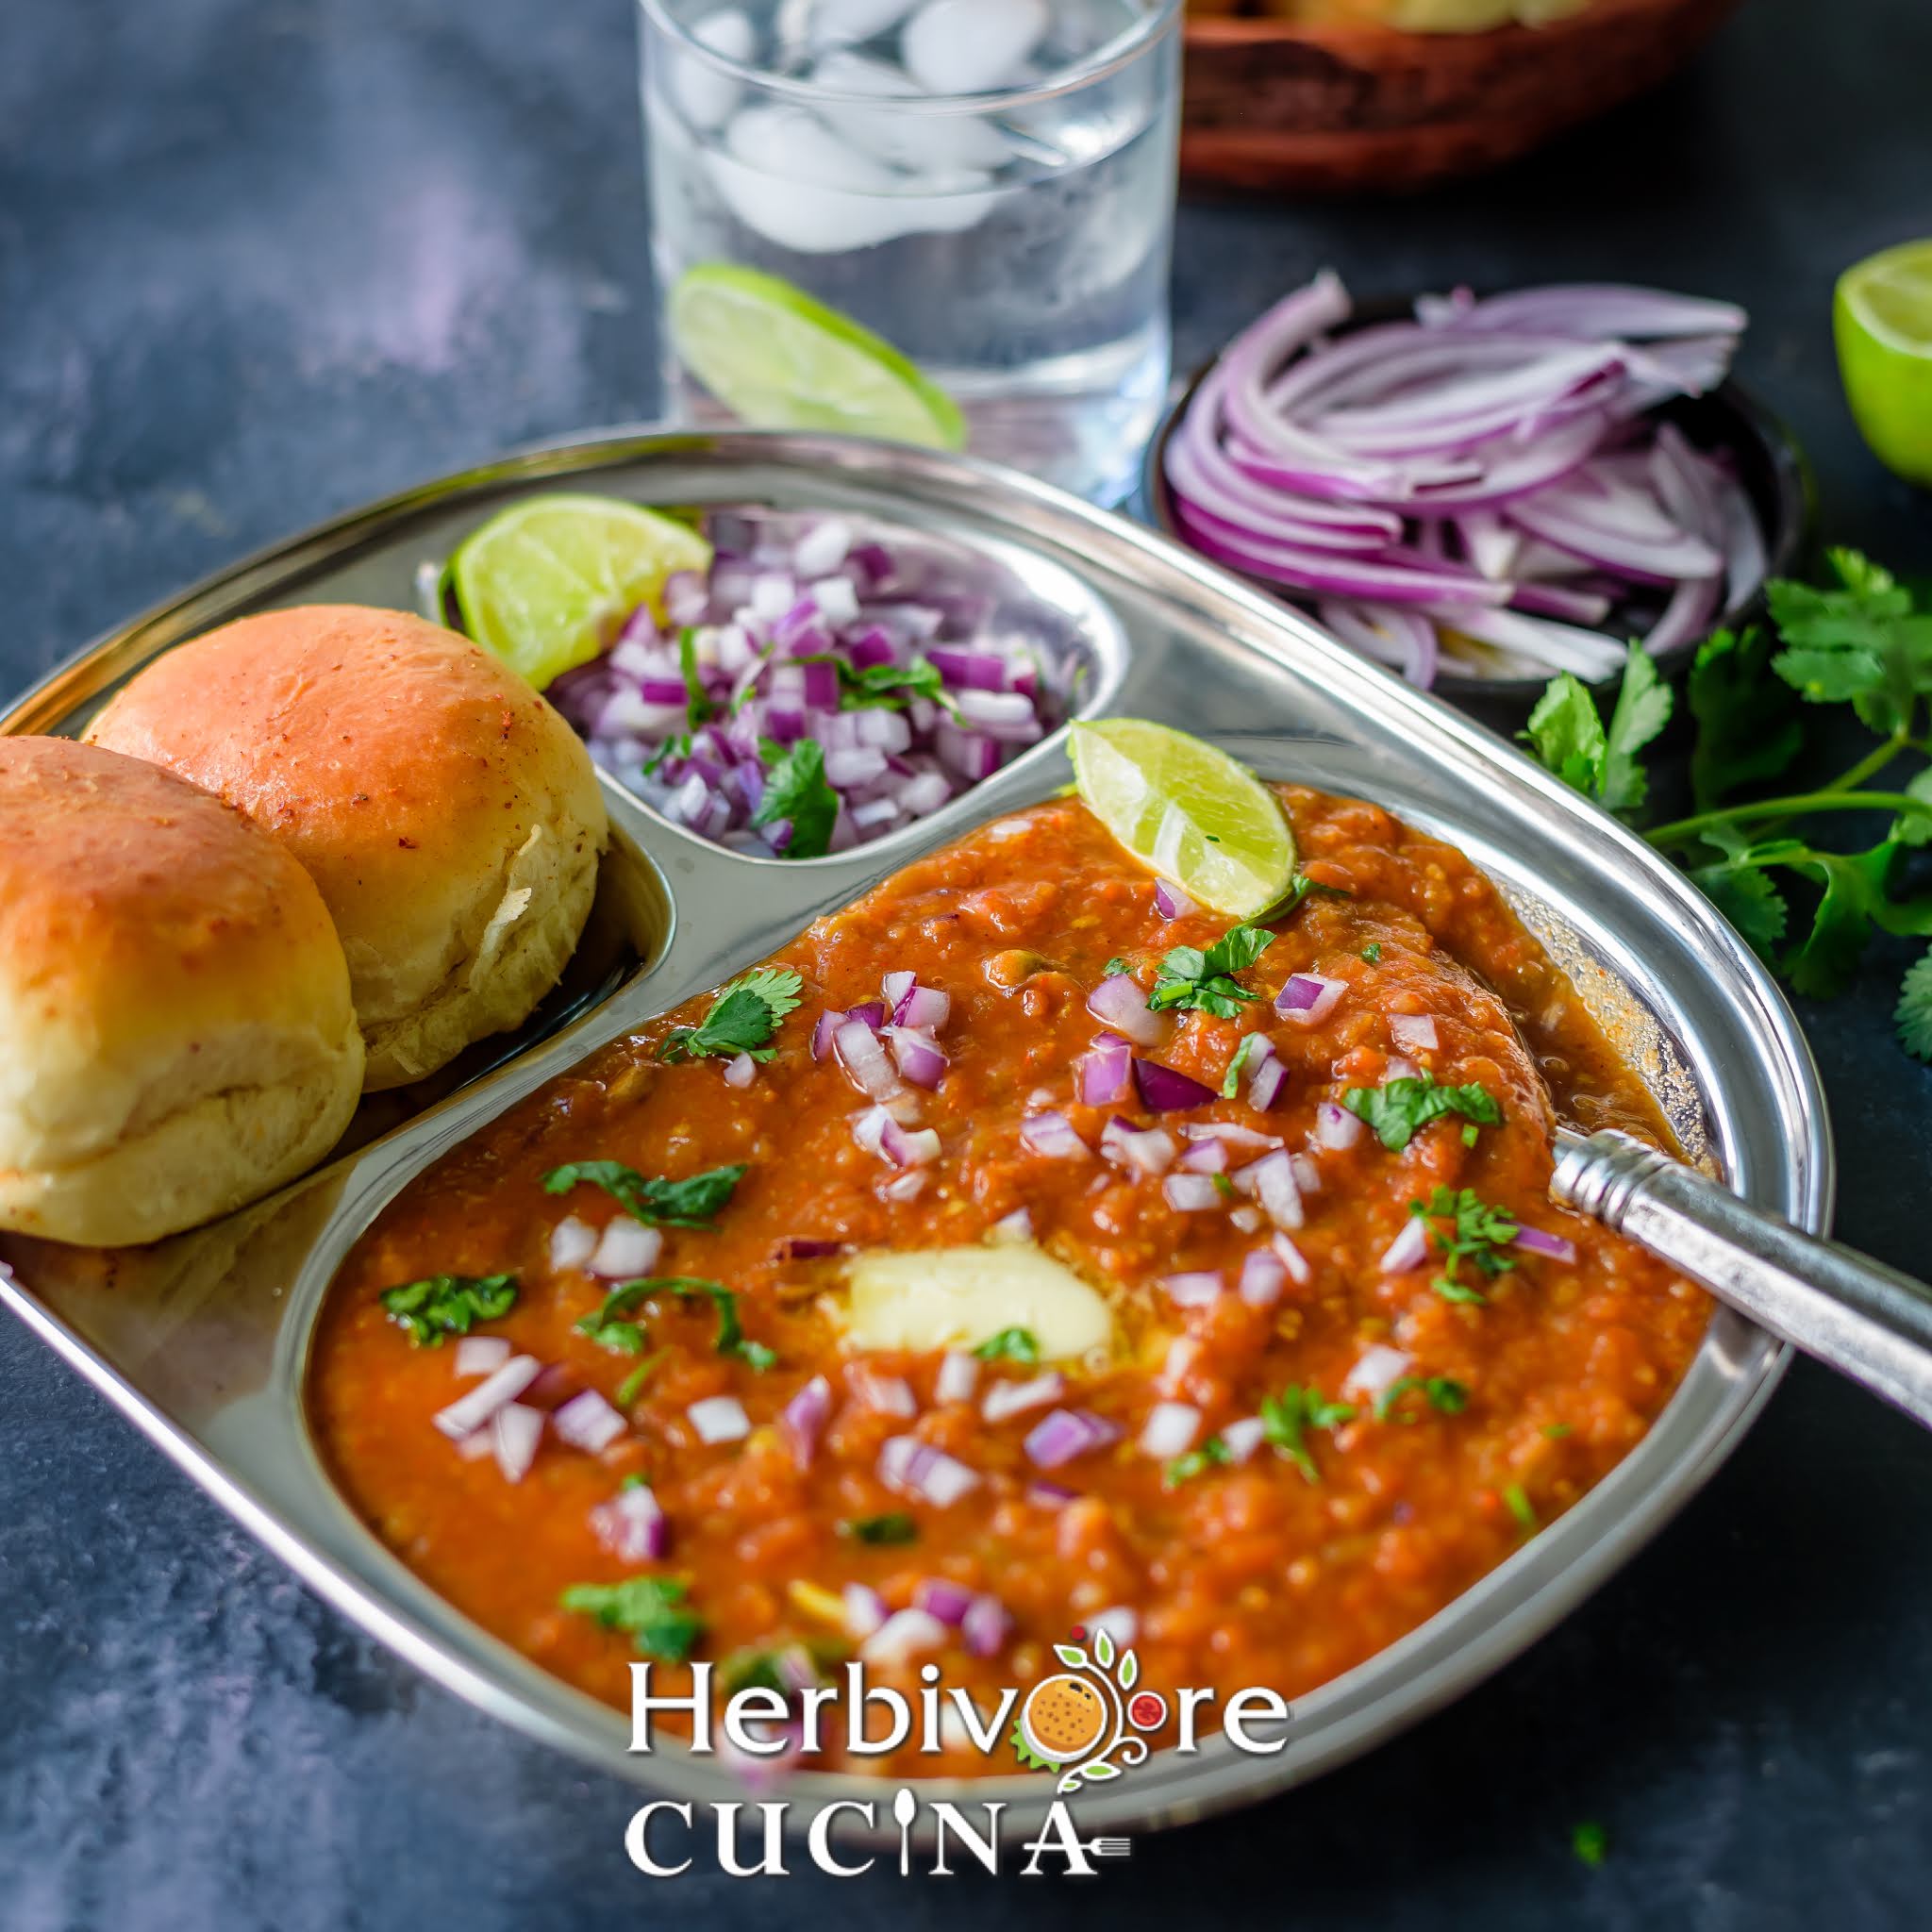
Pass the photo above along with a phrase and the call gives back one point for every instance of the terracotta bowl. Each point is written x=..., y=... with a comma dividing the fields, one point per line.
x=1342, y=110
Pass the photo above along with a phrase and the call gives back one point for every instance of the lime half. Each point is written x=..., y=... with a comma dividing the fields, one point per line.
x=1882, y=316
x=1192, y=812
x=778, y=360
x=545, y=582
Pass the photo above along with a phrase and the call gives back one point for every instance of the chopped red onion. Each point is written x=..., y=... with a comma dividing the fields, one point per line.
x=1228, y=1134
x=1121, y=1004
x=1004, y=1399
x=1009, y=1228
x=1538, y=1243
x=1149, y=1150
x=864, y=1059
x=1241, y=1438
x=794, y=1247
x=1066, y=1434
x=888, y=1394
x=1271, y=1181
x=939, y=1596
x=958, y=1376
x=1164, y=1091
x=1170, y=1430
x=1292, y=1259
x=922, y=1007
x=471, y=1410
x=588, y=1421
x=477, y=1444
x=719, y=1419
x=571, y=1244
x=1206, y=1156
x=919, y=1060
x=916, y=1469
x=986, y=1627
x=481, y=1355
x=1308, y=1175
x=1410, y=1249
x=626, y=1250
x=1051, y=1136
x=1414, y=1032
x=1262, y=1276
x=633, y=1526
x=1334, y=1126
x=1265, y=1085
x=877, y=1132
x=865, y=1610
x=1171, y=901
x=1104, y=1070
x=741, y=1071
x=514, y=1434
x=826, y=1031
x=1196, y=1289
x=905, y=1186
x=903, y=1635
x=1308, y=999
x=1045, y=1495
x=803, y=1420
x=1249, y=1219
x=1376, y=1368
x=1190, y=1193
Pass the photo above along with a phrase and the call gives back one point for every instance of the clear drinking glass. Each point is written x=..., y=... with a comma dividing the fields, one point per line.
x=988, y=185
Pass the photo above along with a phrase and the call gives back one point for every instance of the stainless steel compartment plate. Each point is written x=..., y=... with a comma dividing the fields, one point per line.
x=202, y=1342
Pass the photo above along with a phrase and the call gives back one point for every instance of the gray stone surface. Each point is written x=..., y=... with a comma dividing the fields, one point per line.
x=262, y=258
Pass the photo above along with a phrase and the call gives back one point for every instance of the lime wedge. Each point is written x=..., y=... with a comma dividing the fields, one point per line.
x=1882, y=316
x=778, y=360
x=545, y=582
x=1190, y=813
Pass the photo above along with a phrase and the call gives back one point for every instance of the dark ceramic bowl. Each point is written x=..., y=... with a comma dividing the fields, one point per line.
x=1770, y=465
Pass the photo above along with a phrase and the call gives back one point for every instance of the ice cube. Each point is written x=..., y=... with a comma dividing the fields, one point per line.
x=971, y=46
x=707, y=95
x=913, y=136
x=846, y=22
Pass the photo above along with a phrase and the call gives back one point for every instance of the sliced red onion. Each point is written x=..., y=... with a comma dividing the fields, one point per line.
x=916, y=1469
x=1004, y=1399
x=1376, y=1368
x=1263, y=1275
x=741, y=1071
x=471, y=1410
x=939, y=1596
x=514, y=1434
x=1067, y=1434
x=1171, y=901
x=903, y=1635
x=1414, y=1032
x=1292, y=1259
x=1165, y=1091
x=1051, y=1136
x=865, y=1610
x=1104, y=1070
x=633, y=1526
x=1308, y=999
x=865, y=1059
x=1170, y=1430
x=571, y=1244
x=803, y=1420
x=957, y=1378
x=919, y=1060
x=626, y=1250
x=719, y=1419
x=480, y=1355
x=587, y=1422
x=1197, y=1288
x=1539, y=1243
x=1241, y=1438
x=1410, y=1249
x=1121, y=1004
x=1190, y=1193
x=1149, y=1150
x=986, y=1627
x=1336, y=1127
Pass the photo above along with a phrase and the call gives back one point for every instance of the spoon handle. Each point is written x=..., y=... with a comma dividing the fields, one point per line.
x=1856, y=1315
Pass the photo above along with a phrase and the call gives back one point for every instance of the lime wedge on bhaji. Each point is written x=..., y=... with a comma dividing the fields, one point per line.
x=779, y=360
x=1194, y=814
x=546, y=583
x=1882, y=317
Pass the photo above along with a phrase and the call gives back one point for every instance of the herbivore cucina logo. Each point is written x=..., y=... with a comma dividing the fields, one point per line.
x=1090, y=1724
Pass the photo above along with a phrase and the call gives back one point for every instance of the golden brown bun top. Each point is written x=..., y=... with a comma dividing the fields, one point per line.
x=120, y=882
x=402, y=764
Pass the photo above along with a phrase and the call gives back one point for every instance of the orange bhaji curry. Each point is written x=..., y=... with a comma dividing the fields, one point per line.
x=1059, y=1259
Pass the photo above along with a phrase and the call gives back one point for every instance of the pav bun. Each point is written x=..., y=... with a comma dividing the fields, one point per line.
x=449, y=815
x=177, y=1037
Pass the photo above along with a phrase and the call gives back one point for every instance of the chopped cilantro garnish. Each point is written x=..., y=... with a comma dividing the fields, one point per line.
x=1113, y=966
x=889, y=685
x=1287, y=1418
x=677, y=747
x=448, y=1304
x=698, y=708
x=633, y=1384
x=1300, y=887
x=1223, y=1185
x=1010, y=1345
x=613, y=1312
x=1196, y=1461
x=1254, y=1046
x=1555, y=1431
x=1446, y=1397
x=1476, y=1233
x=649, y=1607
x=797, y=791
x=1372, y=951
x=894, y=1526
x=732, y=1338
x=1590, y=1843
x=692, y=1202
x=779, y=1668
x=1520, y=1505
x=1205, y=980
x=743, y=1019
x=1399, y=1110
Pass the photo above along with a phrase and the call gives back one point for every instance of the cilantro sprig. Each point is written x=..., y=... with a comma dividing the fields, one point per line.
x=743, y=1019
x=1477, y=1234
x=610, y=1327
x=798, y=793
x=1189, y=976
x=1861, y=641
x=441, y=1305
x=692, y=1202
x=651, y=1610
x=1198, y=1460
x=1399, y=1110
x=1287, y=1418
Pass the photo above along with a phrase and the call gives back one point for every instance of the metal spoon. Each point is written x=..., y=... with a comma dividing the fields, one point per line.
x=1854, y=1314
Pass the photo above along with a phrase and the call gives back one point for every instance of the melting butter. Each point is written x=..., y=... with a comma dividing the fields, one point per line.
x=959, y=1297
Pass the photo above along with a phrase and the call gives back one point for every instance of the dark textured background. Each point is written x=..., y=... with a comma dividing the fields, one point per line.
x=262, y=258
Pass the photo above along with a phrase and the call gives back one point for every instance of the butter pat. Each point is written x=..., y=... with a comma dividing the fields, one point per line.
x=959, y=1297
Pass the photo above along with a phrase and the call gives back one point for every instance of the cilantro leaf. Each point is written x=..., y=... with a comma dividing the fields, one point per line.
x=1477, y=1232
x=698, y=707
x=1287, y=1418
x=894, y=1526
x=1254, y=1046
x=1444, y=1394
x=797, y=791
x=1010, y=1345
x=1196, y=1461
x=650, y=1609
x=1399, y=1110
x=1299, y=888
x=741, y=1020
x=1746, y=896
x=1913, y=1012
x=1590, y=1843
x=732, y=1338
x=692, y=1202
x=1914, y=828
x=1642, y=711
x=1188, y=976
x=1567, y=735
x=443, y=1305
x=1861, y=641
x=1748, y=730
x=890, y=686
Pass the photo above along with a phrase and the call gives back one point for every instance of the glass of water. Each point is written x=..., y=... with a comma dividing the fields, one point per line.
x=944, y=221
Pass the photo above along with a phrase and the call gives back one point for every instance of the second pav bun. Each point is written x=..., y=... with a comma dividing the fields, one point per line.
x=450, y=817
x=175, y=1032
